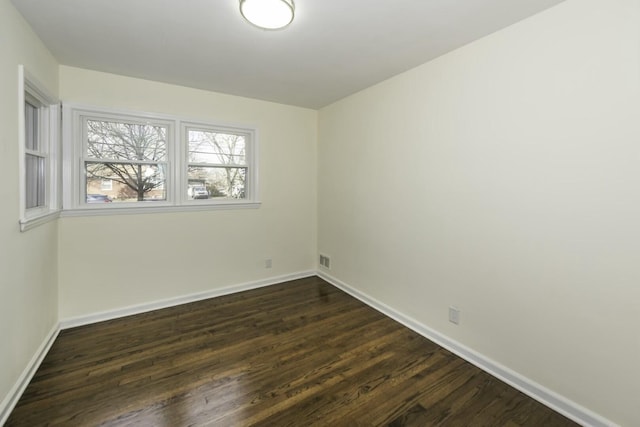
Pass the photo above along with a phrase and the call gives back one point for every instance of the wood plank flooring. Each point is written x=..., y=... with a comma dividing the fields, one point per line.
x=294, y=354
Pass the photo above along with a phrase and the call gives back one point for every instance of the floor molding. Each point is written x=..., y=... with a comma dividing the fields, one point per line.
x=538, y=392
x=553, y=400
x=184, y=299
x=11, y=400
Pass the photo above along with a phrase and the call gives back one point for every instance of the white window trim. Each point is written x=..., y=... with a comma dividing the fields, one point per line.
x=49, y=127
x=177, y=201
x=250, y=154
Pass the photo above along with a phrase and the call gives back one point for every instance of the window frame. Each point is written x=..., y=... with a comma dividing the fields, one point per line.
x=250, y=164
x=48, y=113
x=35, y=147
x=75, y=180
x=81, y=146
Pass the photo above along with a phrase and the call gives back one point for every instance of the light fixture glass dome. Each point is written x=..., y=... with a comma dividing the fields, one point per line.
x=268, y=14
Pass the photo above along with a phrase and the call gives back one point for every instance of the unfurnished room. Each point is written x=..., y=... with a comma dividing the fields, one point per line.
x=328, y=213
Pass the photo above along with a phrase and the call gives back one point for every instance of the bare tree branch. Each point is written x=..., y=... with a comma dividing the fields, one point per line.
x=129, y=142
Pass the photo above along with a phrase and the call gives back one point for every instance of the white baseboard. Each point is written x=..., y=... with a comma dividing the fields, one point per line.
x=11, y=400
x=185, y=299
x=553, y=400
x=538, y=392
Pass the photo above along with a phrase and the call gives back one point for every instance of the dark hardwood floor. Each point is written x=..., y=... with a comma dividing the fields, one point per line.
x=293, y=354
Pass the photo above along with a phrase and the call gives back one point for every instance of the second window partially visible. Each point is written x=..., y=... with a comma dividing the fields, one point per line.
x=35, y=155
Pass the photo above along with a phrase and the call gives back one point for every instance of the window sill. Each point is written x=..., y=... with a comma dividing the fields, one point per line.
x=131, y=210
x=29, y=223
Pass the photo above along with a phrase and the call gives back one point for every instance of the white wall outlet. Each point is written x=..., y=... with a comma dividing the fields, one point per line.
x=454, y=315
x=268, y=263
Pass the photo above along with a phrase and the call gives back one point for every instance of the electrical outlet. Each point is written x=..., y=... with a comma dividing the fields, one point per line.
x=268, y=263
x=454, y=315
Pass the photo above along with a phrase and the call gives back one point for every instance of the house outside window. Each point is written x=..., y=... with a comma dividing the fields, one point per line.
x=106, y=185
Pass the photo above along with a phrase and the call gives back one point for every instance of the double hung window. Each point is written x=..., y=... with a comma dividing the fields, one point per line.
x=129, y=153
x=36, y=156
x=135, y=162
x=216, y=159
x=39, y=136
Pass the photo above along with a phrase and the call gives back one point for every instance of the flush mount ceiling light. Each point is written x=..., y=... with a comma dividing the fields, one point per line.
x=268, y=14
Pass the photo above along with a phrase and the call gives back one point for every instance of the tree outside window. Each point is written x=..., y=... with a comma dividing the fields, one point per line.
x=131, y=154
x=219, y=161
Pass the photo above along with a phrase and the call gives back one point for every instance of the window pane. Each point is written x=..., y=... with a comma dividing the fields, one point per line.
x=130, y=182
x=35, y=172
x=216, y=148
x=31, y=127
x=126, y=141
x=217, y=181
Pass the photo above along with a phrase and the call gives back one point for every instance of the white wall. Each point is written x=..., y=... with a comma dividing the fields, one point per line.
x=108, y=263
x=504, y=178
x=28, y=261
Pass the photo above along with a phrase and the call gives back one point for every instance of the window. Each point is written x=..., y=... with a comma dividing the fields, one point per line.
x=140, y=162
x=39, y=121
x=35, y=155
x=133, y=154
x=216, y=163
